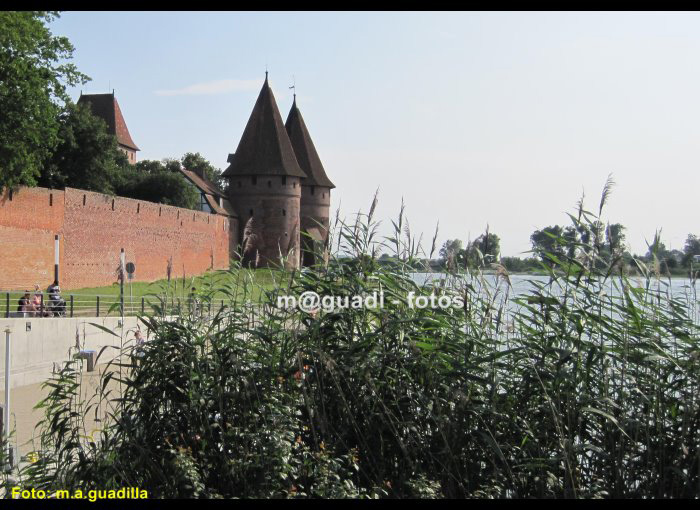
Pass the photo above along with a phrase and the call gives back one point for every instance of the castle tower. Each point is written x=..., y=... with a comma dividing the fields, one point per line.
x=315, y=189
x=107, y=108
x=265, y=186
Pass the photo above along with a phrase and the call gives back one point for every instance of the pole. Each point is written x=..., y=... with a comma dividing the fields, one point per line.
x=55, y=259
x=6, y=409
x=121, y=281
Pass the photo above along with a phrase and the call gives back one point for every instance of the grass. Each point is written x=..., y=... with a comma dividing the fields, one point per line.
x=85, y=302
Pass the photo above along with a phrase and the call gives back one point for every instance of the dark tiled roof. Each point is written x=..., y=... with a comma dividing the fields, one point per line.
x=305, y=150
x=107, y=108
x=202, y=183
x=264, y=148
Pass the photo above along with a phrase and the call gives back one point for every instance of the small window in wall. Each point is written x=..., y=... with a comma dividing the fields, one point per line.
x=284, y=180
x=50, y=199
x=113, y=204
x=251, y=212
x=312, y=190
x=255, y=180
x=240, y=184
x=11, y=195
x=138, y=208
x=294, y=185
x=269, y=184
x=84, y=199
x=284, y=213
x=160, y=211
x=324, y=195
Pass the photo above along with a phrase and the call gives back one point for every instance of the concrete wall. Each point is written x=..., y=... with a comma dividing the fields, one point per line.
x=51, y=342
x=94, y=227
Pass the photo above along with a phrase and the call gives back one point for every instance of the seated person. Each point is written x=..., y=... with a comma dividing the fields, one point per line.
x=25, y=303
x=37, y=299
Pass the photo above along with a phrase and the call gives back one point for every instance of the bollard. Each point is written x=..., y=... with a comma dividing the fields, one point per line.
x=98, y=306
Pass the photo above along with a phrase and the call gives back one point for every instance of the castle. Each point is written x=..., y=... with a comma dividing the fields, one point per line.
x=278, y=187
x=277, y=204
x=278, y=193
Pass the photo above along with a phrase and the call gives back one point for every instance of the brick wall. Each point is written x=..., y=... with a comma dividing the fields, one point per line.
x=94, y=227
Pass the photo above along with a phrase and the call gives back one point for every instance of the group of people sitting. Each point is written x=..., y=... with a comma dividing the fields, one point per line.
x=37, y=306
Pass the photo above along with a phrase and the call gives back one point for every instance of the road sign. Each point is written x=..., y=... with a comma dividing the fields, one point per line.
x=130, y=269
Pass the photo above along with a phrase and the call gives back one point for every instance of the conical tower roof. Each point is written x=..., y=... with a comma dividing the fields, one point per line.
x=305, y=150
x=264, y=148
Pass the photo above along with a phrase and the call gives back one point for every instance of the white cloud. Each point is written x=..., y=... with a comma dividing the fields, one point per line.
x=212, y=87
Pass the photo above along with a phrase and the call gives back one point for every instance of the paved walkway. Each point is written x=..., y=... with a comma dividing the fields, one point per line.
x=24, y=417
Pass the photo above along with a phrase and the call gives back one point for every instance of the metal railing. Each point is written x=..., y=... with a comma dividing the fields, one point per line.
x=100, y=305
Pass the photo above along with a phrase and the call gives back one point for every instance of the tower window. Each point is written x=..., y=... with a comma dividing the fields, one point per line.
x=284, y=213
x=284, y=180
x=251, y=212
x=254, y=180
x=269, y=184
x=312, y=190
x=294, y=185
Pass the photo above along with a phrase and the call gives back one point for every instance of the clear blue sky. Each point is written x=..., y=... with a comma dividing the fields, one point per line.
x=474, y=118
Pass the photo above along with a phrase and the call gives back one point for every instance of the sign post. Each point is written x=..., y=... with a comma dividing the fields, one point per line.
x=121, y=281
x=130, y=269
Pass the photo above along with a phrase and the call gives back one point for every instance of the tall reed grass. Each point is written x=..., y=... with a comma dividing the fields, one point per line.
x=587, y=386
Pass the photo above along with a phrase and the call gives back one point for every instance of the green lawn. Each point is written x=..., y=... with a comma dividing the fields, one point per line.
x=138, y=294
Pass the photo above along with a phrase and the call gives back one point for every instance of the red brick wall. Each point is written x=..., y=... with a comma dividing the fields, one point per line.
x=94, y=227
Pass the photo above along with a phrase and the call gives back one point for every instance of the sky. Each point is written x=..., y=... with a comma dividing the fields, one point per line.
x=473, y=118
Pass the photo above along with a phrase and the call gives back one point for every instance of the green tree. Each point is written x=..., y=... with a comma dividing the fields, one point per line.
x=34, y=74
x=164, y=186
x=691, y=248
x=87, y=156
x=615, y=238
x=549, y=240
x=196, y=162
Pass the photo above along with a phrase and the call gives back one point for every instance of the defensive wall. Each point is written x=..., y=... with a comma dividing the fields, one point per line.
x=93, y=228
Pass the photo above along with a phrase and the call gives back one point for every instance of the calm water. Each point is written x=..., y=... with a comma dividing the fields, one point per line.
x=523, y=284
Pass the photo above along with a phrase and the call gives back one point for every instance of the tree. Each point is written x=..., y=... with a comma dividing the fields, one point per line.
x=157, y=181
x=691, y=248
x=87, y=156
x=482, y=251
x=571, y=236
x=489, y=245
x=450, y=248
x=196, y=162
x=615, y=238
x=34, y=74
x=549, y=240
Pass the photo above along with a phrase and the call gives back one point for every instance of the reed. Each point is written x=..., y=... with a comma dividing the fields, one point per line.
x=586, y=386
